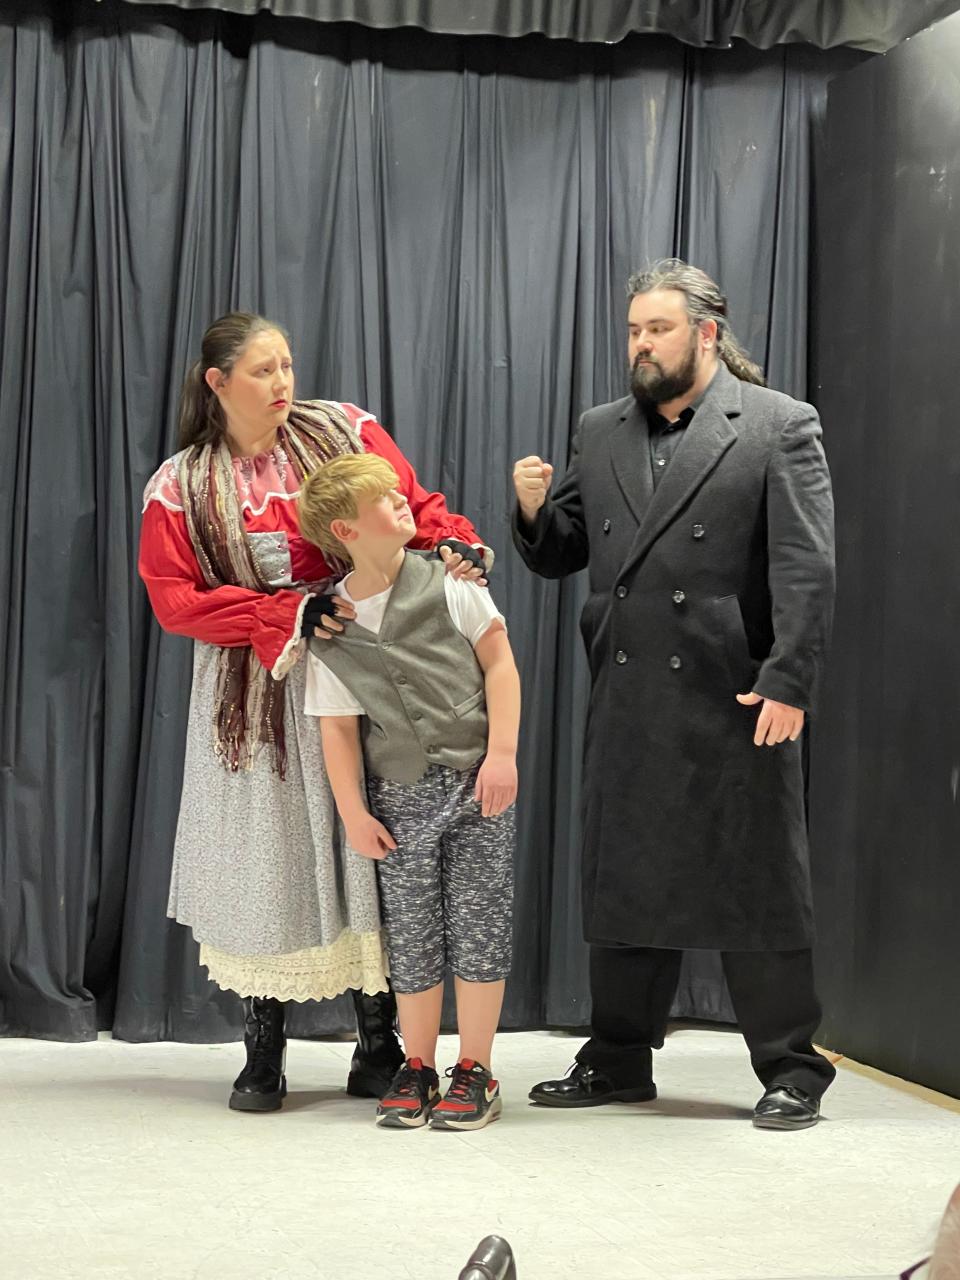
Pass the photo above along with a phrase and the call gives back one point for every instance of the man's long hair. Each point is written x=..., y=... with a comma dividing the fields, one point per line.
x=704, y=302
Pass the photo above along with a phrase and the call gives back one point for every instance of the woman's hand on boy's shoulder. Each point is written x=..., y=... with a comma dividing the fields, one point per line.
x=496, y=788
x=463, y=561
x=370, y=837
x=324, y=614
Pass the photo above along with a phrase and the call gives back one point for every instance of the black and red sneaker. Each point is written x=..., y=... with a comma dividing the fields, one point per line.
x=414, y=1092
x=472, y=1099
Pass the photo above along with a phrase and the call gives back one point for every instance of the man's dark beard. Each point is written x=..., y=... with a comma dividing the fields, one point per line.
x=651, y=386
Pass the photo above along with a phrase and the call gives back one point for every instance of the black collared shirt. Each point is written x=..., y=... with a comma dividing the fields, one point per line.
x=665, y=438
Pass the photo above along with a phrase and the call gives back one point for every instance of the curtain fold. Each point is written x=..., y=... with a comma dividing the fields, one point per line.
x=445, y=227
x=874, y=25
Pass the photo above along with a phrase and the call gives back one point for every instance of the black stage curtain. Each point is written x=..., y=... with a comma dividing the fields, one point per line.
x=446, y=227
x=875, y=25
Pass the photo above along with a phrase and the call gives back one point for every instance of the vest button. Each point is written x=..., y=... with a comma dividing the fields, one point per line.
x=679, y=597
x=620, y=657
x=401, y=679
x=621, y=592
x=606, y=526
x=675, y=663
x=698, y=531
x=416, y=716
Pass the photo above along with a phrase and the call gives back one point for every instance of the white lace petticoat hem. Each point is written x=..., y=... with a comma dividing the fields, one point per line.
x=355, y=960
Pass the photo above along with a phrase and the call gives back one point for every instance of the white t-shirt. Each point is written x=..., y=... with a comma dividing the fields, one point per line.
x=471, y=609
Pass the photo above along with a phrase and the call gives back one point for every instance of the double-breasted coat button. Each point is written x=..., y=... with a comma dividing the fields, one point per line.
x=606, y=526
x=698, y=531
x=621, y=592
x=679, y=597
x=621, y=657
x=675, y=663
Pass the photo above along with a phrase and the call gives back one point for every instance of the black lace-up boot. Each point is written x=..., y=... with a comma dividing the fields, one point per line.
x=378, y=1055
x=261, y=1085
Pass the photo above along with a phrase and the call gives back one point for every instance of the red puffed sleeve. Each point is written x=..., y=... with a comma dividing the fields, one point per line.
x=434, y=521
x=228, y=616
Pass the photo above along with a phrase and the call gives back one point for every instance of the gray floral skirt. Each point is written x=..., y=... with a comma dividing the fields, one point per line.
x=262, y=873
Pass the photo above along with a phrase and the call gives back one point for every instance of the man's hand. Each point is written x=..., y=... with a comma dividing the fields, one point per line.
x=496, y=787
x=370, y=837
x=776, y=722
x=531, y=479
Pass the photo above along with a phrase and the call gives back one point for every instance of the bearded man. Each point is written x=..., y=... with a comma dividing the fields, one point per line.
x=701, y=506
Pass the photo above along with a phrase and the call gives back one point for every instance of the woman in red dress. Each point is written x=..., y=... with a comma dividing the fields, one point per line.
x=282, y=907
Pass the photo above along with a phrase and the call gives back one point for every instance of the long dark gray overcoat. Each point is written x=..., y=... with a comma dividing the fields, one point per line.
x=717, y=582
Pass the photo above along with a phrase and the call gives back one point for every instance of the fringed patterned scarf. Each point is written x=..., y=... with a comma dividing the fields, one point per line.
x=249, y=702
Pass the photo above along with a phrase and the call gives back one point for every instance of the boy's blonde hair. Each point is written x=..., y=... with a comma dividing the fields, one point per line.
x=335, y=491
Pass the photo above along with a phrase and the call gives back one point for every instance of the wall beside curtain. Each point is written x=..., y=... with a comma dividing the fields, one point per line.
x=445, y=226
x=885, y=816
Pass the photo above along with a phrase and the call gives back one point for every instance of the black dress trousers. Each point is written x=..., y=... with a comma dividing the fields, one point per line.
x=773, y=995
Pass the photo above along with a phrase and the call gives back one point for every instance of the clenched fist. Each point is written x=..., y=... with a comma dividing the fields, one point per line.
x=531, y=479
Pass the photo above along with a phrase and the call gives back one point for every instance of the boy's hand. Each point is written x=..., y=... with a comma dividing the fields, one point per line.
x=370, y=837
x=496, y=787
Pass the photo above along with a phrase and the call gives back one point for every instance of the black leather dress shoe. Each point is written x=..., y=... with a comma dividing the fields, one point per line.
x=584, y=1087
x=783, y=1106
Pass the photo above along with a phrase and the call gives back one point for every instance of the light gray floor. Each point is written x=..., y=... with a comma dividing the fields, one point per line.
x=123, y=1161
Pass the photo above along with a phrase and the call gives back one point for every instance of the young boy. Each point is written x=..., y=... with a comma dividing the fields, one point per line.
x=424, y=677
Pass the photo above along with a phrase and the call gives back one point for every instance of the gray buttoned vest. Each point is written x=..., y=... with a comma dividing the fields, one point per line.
x=418, y=680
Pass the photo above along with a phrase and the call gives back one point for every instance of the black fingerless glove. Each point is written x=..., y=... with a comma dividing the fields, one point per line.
x=473, y=554
x=316, y=608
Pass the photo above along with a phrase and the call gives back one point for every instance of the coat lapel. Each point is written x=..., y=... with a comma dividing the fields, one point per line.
x=705, y=441
x=630, y=455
